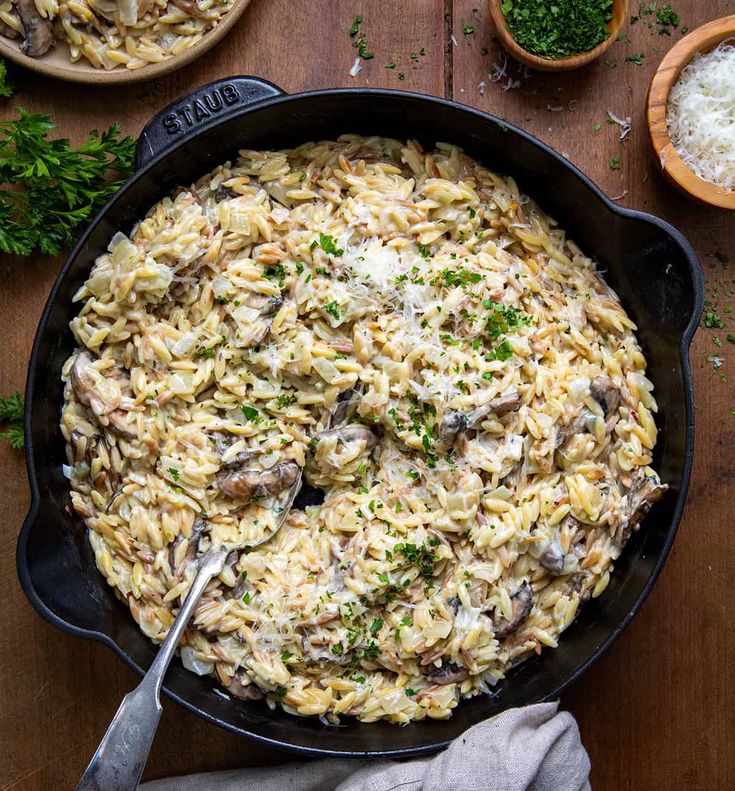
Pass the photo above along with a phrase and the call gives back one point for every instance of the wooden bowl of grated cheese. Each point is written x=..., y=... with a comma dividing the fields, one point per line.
x=693, y=136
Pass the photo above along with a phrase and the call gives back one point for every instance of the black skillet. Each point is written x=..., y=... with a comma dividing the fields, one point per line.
x=650, y=265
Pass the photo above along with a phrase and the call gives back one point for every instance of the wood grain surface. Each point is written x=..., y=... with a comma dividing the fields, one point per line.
x=657, y=711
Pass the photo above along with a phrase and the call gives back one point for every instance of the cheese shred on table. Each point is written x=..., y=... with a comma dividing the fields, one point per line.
x=441, y=362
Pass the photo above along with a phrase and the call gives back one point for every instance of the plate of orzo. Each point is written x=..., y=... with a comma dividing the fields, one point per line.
x=483, y=399
x=112, y=41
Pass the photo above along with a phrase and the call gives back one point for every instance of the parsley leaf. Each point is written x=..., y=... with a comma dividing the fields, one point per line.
x=11, y=412
x=355, y=26
x=250, y=413
x=333, y=310
x=327, y=243
x=7, y=89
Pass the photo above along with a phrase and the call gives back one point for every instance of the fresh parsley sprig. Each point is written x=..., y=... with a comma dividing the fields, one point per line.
x=11, y=414
x=48, y=188
x=7, y=88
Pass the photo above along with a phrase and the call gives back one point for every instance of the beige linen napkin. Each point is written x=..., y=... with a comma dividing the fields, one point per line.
x=532, y=748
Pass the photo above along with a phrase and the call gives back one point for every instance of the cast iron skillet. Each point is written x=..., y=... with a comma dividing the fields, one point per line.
x=650, y=265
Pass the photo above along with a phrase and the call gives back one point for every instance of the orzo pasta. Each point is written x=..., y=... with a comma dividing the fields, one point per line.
x=431, y=350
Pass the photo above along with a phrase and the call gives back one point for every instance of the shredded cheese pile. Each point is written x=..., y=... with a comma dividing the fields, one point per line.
x=701, y=115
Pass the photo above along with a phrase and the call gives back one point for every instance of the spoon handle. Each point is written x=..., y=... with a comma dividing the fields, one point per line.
x=121, y=756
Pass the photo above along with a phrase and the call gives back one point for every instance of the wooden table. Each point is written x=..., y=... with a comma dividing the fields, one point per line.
x=657, y=711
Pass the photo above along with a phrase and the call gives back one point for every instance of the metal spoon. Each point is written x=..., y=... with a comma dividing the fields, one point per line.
x=122, y=754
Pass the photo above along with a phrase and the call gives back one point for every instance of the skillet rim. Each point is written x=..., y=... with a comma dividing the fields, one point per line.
x=697, y=278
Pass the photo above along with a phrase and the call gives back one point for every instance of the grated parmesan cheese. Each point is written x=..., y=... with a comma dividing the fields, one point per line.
x=701, y=115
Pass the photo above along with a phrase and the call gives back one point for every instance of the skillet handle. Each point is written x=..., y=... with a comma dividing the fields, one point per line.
x=198, y=109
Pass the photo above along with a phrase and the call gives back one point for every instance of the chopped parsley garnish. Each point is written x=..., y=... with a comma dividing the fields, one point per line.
x=333, y=310
x=410, y=692
x=614, y=163
x=454, y=278
x=280, y=692
x=390, y=65
x=636, y=58
x=375, y=626
x=284, y=400
x=328, y=244
x=174, y=473
x=206, y=353
x=338, y=649
x=246, y=597
x=250, y=413
x=422, y=556
x=276, y=272
x=424, y=250
x=467, y=29
x=503, y=351
x=558, y=29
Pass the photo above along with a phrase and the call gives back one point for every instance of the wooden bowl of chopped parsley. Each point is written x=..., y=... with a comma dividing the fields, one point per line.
x=557, y=35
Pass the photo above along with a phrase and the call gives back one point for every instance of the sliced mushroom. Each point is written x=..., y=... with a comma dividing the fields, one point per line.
x=644, y=492
x=242, y=687
x=191, y=550
x=452, y=424
x=224, y=193
x=39, y=35
x=552, y=556
x=355, y=432
x=83, y=386
x=605, y=393
x=455, y=422
x=7, y=31
x=447, y=673
x=522, y=601
x=502, y=405
x=343, y=407
x=260, y=483
x=266, y=307
x=576, y=426
x=88, y=395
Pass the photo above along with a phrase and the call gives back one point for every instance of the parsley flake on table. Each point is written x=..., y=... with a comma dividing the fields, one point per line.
x=53, y=187
x=614, y=163
x=636, y=58
x=11, y=413
x=467, y=29
x=355, y=26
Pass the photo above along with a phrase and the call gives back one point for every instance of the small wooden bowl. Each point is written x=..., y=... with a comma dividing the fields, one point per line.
x=619, y=15
x=703, y=39
x=56, y=62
